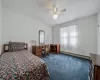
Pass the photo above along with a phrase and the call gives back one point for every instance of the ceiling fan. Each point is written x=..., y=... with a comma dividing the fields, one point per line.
x=56, y=11
x=51, y=6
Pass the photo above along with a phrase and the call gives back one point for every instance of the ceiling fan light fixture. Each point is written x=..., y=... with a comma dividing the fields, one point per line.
x=55, y=16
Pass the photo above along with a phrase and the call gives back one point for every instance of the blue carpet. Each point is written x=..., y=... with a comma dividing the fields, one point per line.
x=65, y=67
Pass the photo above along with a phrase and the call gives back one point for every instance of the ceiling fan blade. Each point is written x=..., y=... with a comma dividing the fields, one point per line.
x=63, y=10
x=44, y=3
x=49, y=5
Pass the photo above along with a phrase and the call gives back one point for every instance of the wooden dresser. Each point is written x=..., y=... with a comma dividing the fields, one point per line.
x=37, y=50
x=96, y=64
x=96, y=72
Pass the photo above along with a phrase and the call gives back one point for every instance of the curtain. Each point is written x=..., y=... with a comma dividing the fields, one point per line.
x=68, y=37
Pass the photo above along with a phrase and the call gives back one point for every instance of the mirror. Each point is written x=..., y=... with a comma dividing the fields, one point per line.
x=41, y=37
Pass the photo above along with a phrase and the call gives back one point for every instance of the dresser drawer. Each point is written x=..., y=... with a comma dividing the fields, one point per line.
x=37, y=50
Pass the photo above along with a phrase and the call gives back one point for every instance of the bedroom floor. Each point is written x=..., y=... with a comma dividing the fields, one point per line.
x=65, y=67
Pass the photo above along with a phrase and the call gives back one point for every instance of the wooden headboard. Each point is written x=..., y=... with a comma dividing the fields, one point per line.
x=6, y=47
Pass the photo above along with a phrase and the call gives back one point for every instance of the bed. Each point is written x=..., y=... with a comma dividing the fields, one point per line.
x=21, y=65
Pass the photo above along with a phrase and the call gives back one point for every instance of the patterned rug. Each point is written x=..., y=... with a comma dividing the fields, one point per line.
x=65, y=67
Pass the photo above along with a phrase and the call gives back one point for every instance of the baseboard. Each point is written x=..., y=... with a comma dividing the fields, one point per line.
x=77, y=55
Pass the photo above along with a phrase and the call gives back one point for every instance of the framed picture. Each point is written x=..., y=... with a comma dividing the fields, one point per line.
x=41, y=37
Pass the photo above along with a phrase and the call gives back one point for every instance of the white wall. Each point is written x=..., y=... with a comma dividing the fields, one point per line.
x=87, y=35
x=98, y=34
x=18, y=27
x=0, y=26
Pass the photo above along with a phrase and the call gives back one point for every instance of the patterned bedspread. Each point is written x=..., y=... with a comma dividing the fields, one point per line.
x=22, y=65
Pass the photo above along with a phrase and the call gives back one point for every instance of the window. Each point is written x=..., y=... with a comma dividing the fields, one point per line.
x=64, y=38
x=73, y=38
x=68, y=36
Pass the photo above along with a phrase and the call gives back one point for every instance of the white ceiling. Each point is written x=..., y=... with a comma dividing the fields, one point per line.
x=39, y=9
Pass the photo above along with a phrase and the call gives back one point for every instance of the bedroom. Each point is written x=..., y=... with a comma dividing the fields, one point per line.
x=21, y=20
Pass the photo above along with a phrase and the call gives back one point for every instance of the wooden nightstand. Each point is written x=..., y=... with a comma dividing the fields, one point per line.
x=37, y=50
x=55, y=48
